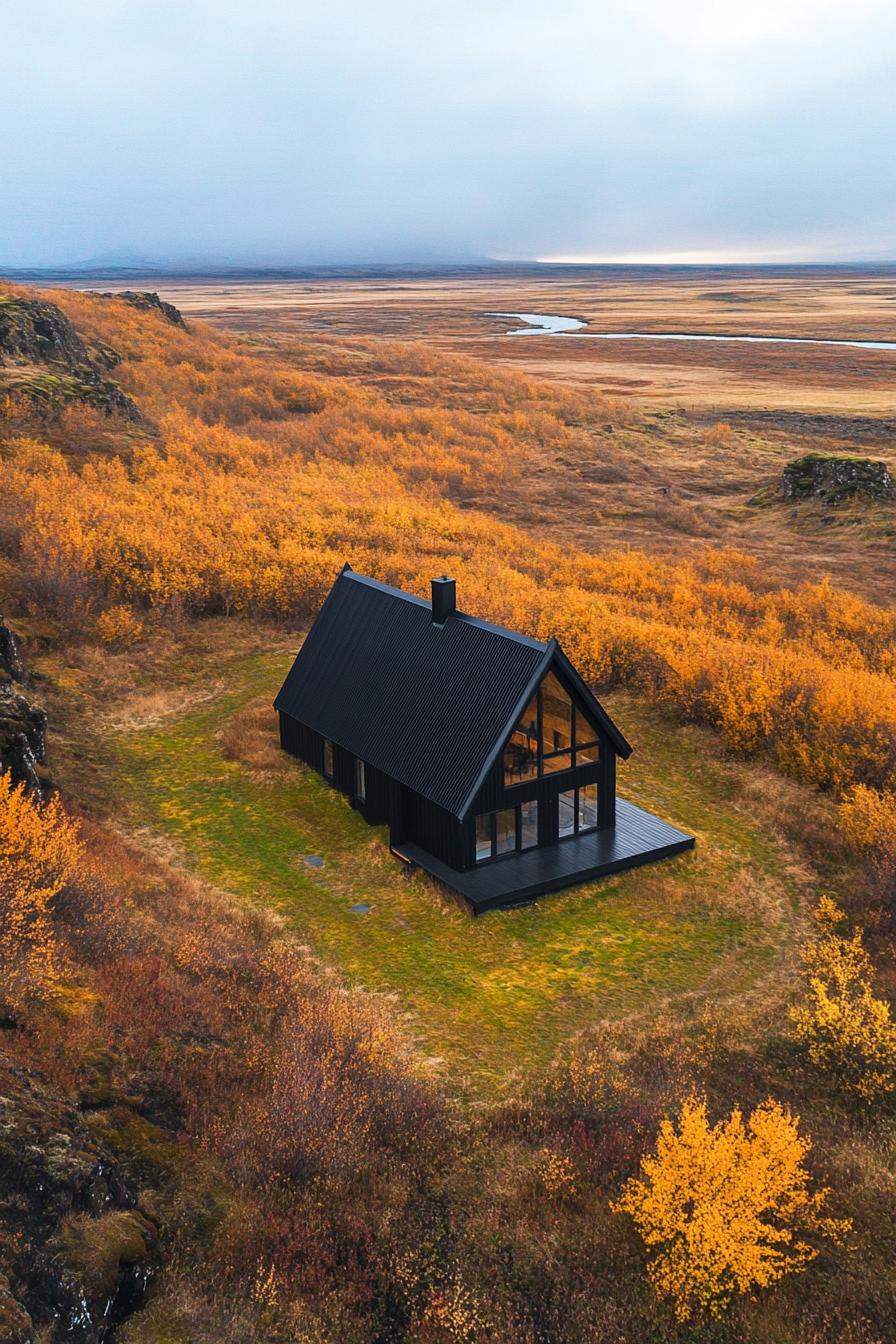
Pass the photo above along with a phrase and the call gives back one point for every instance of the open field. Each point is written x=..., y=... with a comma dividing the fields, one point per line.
x=694, y=434
x=453, y=312
x=504, y=992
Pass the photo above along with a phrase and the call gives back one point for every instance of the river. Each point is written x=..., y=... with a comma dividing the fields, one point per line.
x=549, y=324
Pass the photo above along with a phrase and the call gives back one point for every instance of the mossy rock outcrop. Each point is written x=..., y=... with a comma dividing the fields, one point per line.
x=43, y=358
x=833, y=479
x=23, y=724
x=147, y=300
x=76, y=1250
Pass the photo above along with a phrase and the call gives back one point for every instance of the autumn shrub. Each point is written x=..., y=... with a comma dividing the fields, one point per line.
x=727, y=1208
x=846, y=1030
x=39, y=852
x=119, y=626
x=868, y=820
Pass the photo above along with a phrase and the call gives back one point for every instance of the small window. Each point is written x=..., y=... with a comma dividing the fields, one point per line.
x=328, y=759
x=360, y=782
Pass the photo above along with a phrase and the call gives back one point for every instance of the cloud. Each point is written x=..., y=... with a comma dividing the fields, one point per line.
x=343, y=131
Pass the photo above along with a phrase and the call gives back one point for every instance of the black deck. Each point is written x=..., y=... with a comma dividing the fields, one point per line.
x=638, y=837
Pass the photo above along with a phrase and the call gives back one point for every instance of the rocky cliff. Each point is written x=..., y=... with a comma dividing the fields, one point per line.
x=76, y=1250
x=147, y=301
x=43, y=358
x=23, y=724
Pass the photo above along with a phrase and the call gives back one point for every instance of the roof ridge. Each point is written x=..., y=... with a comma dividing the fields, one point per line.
x=348, y=573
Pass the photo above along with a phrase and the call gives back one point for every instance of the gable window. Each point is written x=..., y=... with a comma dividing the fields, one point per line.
x=360, y=782
x=506, y=832
x=521, y=752
x=329, y=771
x=577, y=811
x=552, y=735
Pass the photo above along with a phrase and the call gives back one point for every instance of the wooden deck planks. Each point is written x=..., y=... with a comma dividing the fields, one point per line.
x=638, y=837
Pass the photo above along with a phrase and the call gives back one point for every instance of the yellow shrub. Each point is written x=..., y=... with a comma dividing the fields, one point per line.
x=846, y=1030
x=557, y=1173
x=725, y=1208
x=39, y=851
x=119, y=625
x=868, y=818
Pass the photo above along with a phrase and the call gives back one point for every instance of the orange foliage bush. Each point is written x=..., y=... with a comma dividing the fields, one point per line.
x=868, y=819
x=39, y=853
x=726, y=1208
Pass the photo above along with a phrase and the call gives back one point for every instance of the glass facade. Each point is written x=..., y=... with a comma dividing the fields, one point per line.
x=528, y=825
x=567, y=818
x=360, y=782
x=521, y=752
x=578, y=810
x=556, y=716
x=552, y=735
x=586, y=809
x=505, y=832
x=484, y=837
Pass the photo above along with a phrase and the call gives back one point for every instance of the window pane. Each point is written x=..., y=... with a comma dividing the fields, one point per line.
x=567, y=812
x=483, y=837
x=586, y=755
x=521, y=752
x=554, y=763
x=528, y=825
x=556, y=715
x=588, y=807
x=360, y=781
x=586, y=731
x=328, y=759
x=505, y=826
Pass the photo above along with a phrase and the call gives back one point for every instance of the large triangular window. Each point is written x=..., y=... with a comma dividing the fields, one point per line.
x=552, y=735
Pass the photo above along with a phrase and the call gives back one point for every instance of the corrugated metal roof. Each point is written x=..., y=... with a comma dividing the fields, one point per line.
x=429, y=705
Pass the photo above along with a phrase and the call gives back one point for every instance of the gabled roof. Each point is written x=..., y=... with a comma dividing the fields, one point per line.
x=429, y=705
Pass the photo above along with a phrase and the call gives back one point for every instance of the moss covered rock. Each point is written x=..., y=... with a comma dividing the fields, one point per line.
x=43, y=358
x=832, y=479
x=76, y=1252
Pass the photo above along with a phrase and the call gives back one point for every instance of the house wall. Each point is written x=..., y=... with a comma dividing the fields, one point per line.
x=411, y=817
x=407, y=814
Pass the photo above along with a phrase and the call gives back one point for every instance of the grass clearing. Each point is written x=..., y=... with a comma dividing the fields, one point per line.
x=502, y=992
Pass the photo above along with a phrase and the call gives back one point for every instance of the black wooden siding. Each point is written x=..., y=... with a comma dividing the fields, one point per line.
x=406, y=813
x=411, y=817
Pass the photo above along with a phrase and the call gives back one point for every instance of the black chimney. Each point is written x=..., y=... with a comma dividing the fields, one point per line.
x=444, y=599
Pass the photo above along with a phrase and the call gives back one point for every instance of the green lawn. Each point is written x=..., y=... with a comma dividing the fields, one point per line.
x=491, y=994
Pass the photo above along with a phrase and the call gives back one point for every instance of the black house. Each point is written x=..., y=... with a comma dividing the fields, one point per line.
x=483, y=751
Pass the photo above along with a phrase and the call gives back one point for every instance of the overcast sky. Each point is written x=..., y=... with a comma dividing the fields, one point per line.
x=317, y=131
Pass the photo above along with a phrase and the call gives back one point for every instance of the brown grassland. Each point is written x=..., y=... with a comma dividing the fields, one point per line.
x=419, y=1127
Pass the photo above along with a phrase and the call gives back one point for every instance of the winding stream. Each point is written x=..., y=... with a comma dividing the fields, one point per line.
x=549, y=324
